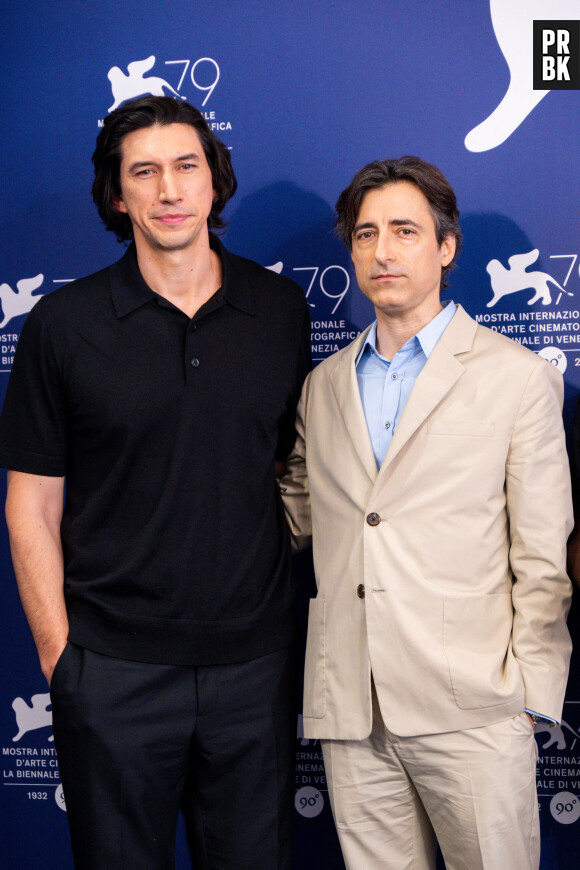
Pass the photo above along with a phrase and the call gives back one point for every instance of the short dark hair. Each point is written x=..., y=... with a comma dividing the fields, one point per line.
x=430, y=181
x=150, y=112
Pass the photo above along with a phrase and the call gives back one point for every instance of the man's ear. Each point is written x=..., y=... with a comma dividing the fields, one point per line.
x=448, y=246
x=119, y=204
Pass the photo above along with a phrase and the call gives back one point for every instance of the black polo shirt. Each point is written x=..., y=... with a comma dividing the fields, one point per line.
x=166, y=428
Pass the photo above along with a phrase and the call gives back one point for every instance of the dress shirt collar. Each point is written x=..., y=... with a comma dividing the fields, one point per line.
x=426, y=338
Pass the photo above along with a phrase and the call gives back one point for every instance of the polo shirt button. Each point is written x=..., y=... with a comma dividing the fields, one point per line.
x=195, y=362
x=373, y=519
x=360, y=590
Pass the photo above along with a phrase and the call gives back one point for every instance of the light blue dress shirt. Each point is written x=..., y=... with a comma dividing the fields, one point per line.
x=385, y=385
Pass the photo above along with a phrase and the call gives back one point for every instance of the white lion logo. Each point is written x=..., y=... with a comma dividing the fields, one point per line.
x=505, y=281
x=30, y=718
x=556, y=735
x=20, y=302
x=513, y=23
x=126, y=87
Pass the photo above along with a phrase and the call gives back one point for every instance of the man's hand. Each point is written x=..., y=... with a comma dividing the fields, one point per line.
x=48, y=660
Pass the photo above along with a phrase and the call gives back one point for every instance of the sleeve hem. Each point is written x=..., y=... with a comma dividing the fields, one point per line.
x=33, y=463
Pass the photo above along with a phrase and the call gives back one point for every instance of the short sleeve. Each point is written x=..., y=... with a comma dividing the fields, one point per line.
x=32, y=424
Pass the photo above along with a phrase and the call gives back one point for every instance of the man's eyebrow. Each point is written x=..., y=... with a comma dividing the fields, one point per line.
x=142, y=163
x=367, y=225
x=396, y=222
x=192, y=156
x=404, y=222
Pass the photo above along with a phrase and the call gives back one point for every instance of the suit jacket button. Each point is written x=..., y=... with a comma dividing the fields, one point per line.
x=360, y=590
x=373, y=519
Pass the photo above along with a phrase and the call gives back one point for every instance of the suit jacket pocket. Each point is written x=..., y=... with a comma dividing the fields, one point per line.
x=315, y=667
x=477, y=642
x=473, y=428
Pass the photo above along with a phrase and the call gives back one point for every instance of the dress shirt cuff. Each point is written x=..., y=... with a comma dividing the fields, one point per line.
x=539, y=719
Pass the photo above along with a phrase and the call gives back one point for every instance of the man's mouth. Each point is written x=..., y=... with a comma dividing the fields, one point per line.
x=386, y=276
x=174, y=218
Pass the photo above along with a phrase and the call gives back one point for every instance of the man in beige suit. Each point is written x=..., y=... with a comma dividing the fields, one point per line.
x=433, y=453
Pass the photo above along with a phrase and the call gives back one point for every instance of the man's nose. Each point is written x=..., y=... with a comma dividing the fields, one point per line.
x=169, y=188
x=384, y=251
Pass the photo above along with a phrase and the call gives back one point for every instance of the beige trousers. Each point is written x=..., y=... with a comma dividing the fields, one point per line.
x=474, y=792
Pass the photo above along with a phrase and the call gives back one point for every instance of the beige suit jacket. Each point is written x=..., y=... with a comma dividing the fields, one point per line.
x=465, y=591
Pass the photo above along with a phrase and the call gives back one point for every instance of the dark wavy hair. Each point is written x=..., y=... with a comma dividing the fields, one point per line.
x=430, y=181
x=150, y=112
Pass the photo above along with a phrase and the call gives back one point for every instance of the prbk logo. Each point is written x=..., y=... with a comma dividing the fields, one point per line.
x=514, y=25
x=183, y=79
x=557, y=55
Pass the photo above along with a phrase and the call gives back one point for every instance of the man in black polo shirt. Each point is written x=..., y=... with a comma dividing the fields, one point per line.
x=163, y=391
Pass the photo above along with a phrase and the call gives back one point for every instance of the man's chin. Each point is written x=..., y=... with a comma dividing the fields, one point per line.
x=170, y=241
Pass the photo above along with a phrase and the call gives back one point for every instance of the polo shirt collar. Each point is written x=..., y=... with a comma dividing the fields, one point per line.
x=129, y=290
x=236, y=287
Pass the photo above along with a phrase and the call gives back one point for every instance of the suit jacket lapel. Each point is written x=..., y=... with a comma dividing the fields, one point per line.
x=345, y=386
x=442, y=370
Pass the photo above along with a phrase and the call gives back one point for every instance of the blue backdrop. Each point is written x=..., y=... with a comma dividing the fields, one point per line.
x=304, y=94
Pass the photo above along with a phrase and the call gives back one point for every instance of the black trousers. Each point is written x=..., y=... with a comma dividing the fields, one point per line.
x=138, y=742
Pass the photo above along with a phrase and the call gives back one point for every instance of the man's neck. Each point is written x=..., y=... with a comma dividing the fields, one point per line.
x=186, y=277
x=395, y=331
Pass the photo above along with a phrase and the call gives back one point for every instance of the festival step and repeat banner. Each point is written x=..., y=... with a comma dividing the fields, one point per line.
x=303, y=94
